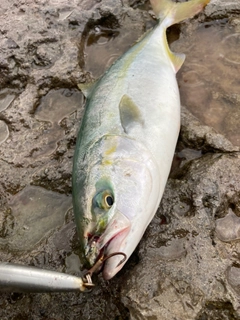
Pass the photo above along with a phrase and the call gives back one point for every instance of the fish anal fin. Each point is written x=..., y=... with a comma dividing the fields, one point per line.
x=177, y=59
x=130, y=114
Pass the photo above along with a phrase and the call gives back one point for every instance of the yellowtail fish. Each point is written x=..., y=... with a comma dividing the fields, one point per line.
x=127, y=140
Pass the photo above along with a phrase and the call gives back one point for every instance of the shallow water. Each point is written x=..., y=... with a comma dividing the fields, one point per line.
x=209, y=79
x=57, y=104
x=53, y=108
x=104, y=43
x=4, y=132
x=108, y=48
x=6, y=98
x=35, y=212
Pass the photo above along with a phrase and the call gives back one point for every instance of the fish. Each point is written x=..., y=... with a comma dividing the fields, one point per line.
x=126, y=142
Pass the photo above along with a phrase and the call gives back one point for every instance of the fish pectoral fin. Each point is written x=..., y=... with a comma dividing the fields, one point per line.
x=130, y=115
x=87, y=88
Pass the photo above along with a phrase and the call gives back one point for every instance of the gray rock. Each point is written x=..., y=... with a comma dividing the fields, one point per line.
x=233, y=277
x=221, y=8
x=183, y=262
x=196, y=135
x=228, y=228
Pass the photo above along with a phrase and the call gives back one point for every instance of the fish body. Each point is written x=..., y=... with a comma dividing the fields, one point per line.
x=126, y=142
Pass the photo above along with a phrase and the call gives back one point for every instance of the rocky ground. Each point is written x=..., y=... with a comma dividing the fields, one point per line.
x=187, y=266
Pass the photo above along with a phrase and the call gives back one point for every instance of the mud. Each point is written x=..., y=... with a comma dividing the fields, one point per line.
x=187, y=264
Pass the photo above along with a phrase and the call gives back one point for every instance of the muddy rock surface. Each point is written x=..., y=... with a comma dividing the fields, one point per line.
x=187, y=266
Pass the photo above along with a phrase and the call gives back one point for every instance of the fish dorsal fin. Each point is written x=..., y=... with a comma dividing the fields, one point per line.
x=130, y=115
x=87, y=88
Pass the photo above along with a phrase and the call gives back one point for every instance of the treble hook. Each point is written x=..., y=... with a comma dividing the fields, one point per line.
x=98, y=264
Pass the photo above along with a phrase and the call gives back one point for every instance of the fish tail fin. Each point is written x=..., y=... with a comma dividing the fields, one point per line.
x=176, y=12
x=170, y=13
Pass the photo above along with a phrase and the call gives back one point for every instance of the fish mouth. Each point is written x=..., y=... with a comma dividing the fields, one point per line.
x=115, y=245
x=111, y=241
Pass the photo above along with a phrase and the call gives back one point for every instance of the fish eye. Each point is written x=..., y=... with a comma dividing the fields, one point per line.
x=108, y=200
x=103, y=200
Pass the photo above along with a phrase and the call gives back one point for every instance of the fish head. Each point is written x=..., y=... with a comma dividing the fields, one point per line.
x=116, y=204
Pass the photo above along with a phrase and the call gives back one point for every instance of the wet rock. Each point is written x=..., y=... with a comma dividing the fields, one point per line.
x=35, y=212
x=181, y=285
x=6, y=98
x=58, y=104
x=219, y=310
x=171, y=250
x=221, y=8
x=205, y=138
x=4, y=132
x=228, y=228
x=233, y=277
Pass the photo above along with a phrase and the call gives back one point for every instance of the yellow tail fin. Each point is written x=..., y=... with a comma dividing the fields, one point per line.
x=177, y=12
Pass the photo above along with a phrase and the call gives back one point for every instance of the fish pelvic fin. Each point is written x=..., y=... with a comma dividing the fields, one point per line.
x=87, y=88
x=173, y=12
x=170, y=13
